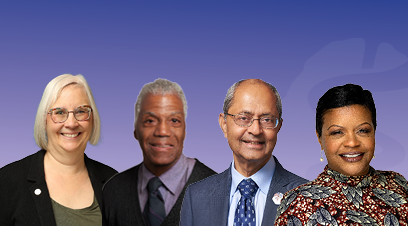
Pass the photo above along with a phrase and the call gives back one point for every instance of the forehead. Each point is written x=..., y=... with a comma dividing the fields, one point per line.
x=255, y=98
x=71, y=94
x=353, y=114
x=168, y=103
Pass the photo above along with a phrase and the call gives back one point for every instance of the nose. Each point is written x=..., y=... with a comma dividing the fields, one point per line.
x=71, y=121
x=352, y=141
x=255, y=128
x=162, y=129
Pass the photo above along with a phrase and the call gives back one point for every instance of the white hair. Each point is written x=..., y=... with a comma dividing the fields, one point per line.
x=51, y=93
x=160, y=86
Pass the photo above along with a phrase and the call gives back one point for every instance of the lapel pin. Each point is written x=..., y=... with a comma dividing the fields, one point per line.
x=37, y=191
x=277, y=197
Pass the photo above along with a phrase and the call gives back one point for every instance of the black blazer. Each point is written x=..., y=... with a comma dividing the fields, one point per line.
x=121, y=201
x=24, y=197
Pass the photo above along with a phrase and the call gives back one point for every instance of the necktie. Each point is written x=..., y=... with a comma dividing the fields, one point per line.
x=245, y=213
x=154, y=212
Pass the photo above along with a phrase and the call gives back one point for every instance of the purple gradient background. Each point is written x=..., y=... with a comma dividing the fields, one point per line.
x=302, y=47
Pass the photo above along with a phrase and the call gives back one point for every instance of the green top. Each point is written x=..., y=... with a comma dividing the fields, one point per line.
x=88, y=216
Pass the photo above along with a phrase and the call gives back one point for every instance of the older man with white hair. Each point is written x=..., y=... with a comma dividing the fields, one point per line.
x=151, y=193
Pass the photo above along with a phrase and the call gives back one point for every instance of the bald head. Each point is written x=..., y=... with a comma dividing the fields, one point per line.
x=243, y=84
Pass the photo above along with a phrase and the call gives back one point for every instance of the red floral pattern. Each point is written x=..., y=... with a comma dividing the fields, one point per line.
x=378, y=198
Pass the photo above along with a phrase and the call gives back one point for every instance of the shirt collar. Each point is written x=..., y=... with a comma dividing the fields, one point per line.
x=169, y=178
x=262, y=178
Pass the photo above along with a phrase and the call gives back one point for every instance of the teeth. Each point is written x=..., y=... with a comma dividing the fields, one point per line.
x=351, y=156
x=254, y=143
x=163, y=146
x=70, y=135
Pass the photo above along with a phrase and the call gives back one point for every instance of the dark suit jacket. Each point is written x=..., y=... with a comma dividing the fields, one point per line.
x=19, y=205
x=207, y=202
x=121, y=200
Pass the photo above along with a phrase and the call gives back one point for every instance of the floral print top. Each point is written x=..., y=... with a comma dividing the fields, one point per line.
x=378, y=198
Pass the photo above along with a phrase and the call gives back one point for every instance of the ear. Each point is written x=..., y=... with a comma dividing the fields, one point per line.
x=280, y=125
x=223, y=124
x=320, y=141
x=135, y=134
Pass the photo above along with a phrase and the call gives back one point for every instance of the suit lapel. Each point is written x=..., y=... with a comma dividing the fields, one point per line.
x=277, y=185
x=220, y=195
x=39, y=190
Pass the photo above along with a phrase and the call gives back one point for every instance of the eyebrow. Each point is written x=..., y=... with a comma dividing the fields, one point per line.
x=250, y=113
x=154, y=114
x=82, y=105
x=356, y=126
x=176, y=113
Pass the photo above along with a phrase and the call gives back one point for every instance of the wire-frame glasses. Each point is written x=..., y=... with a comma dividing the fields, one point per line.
x=245, y=120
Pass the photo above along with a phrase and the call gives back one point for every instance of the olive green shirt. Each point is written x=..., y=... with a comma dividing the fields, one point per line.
x=89, y=216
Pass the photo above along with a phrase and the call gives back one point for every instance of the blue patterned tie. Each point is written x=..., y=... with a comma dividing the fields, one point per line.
x=245, y=213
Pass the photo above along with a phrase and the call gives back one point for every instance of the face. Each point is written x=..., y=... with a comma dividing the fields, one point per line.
x=253, y=144
x=348, y=139
x=71, y=135
x=160, y=130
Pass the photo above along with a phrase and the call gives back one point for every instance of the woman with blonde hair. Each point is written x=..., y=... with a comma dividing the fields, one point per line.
x=58, y=185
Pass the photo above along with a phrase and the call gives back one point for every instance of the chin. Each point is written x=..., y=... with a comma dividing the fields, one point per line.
x=74, y=148
x=255, y=157
x=355, y=170
x=163, y=160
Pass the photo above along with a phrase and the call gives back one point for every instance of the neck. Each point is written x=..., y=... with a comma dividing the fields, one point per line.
x=157, y=170
x=248, y=168
x=64, y=164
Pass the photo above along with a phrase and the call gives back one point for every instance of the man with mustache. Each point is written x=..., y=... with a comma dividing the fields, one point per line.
x=249, y=192
x=151, y=193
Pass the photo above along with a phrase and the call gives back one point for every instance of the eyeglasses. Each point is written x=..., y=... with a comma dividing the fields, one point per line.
x=60, y=115
x=244, y=120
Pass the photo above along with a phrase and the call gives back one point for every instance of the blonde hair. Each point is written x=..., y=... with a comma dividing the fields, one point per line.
x=51, y=93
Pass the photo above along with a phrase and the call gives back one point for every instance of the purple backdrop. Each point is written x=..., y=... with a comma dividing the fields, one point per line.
x=302, y=47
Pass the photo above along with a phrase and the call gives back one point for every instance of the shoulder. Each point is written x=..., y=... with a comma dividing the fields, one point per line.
x=124, y=178
x=292, y=179
x=201, y=171
x=299, y=201
x=17, y=205
x=211, y=182
x=393, y=179
x=295, y=178
x=390, y=174
x=103, y=170
x=18, y=168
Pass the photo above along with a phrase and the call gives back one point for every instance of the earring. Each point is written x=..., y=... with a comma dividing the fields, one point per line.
x=321, y=156
x=373, y=156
